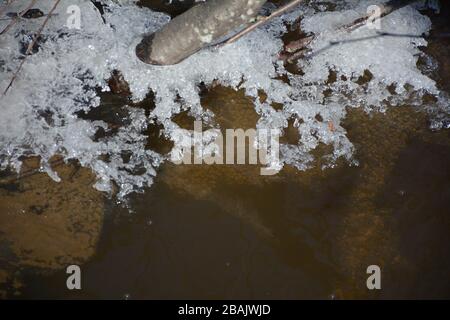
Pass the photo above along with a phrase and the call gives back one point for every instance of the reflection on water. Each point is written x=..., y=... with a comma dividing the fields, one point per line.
x=227, y=232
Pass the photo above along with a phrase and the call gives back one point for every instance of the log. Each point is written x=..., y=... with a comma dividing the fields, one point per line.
x=195, y=29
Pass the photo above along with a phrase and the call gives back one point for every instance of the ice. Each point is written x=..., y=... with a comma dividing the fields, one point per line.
x=391, y=59
x=39, y=113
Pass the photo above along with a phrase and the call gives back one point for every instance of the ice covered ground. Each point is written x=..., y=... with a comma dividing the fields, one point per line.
x=39, y=113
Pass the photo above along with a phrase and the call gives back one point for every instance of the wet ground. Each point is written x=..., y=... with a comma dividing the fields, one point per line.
x=226, y=232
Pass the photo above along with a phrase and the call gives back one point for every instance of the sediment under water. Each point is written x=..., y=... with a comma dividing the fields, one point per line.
x=227, y=232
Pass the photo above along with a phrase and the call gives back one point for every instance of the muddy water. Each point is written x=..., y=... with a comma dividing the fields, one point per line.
x=226, y=232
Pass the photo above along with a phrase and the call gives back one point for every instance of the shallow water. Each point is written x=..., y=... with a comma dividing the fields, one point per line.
x=299, y=236
x=225, y=232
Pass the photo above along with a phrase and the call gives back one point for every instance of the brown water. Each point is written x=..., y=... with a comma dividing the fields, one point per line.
x=226, y=232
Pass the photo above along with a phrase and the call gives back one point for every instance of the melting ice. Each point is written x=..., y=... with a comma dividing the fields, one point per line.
x=61, y=79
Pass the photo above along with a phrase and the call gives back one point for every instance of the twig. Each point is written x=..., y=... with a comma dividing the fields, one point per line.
x=296, y=49
x=261, y=22
x=31, y=45
x=6, y=6
x=38, y=34
x=20, y=15
x=10, y=18
x=14, y=177
x=378, y=34
x=388, y=8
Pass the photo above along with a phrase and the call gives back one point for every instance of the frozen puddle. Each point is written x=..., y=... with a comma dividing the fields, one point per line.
x=39, y=113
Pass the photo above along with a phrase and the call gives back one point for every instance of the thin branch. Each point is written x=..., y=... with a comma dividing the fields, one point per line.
x=31, y=45
x=10, y=18
x=6, y=6
x=263, y=21
x=14, y=177
x=38, y=34
x=297, y=49
x=20, y=15
x=388, y=8
x=378, y=34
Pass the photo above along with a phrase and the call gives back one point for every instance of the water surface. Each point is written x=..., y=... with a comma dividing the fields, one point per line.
x=225, y=232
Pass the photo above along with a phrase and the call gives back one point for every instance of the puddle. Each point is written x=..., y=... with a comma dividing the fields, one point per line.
x=225, y=232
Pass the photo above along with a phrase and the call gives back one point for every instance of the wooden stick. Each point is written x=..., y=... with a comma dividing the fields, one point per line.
x=30, y=172
x=296, y=49
x=6, y=6
x=388, y=8
x=10, y=18
x=195, y=29
x=38, y=34
x=261, y=22
x=31, y=45
x=20, y=15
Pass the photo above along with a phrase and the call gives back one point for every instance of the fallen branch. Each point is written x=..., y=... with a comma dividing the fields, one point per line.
x=14, y=177
x=262, y=21
x=6, y=6
x=388, y=8
x=31, y=45
x=30, y=14
x=195, y=29
x=295, y=50
x=19, y=16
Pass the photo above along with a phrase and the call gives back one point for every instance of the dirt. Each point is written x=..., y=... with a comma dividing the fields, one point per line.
x=322, y=226
x=46, y=226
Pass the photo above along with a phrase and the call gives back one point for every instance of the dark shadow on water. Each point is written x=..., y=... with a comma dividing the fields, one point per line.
x=418, y=192
x=177, y=247
x=241, y=237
